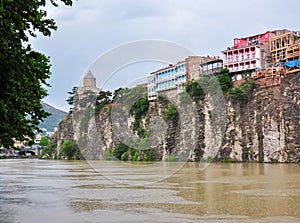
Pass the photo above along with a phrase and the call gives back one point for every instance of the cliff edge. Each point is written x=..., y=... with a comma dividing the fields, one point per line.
x=266, y=128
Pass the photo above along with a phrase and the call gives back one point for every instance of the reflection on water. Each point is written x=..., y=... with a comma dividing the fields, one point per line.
x=60, y=191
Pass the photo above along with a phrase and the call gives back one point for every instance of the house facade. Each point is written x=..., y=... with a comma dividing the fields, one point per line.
x=173, y=77
x=211, y=66
x=168, y=78
x=248, y=54
x=264, y=57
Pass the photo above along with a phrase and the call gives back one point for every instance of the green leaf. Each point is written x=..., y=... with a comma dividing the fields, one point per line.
x=24, y=72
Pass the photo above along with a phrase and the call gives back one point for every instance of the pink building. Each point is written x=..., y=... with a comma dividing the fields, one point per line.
x=248, y=54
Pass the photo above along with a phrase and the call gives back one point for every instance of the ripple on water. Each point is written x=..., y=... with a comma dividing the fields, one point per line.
x=268, y=192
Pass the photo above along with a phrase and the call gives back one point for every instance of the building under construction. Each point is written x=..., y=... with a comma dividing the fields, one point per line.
x=249, y=54
x=285, y=52
x=270, y=76
x=285, y=47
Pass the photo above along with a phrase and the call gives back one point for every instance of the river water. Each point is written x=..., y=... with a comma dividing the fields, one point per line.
x=42, y=191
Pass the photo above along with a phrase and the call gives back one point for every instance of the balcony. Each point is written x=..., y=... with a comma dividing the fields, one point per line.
x=240, y=59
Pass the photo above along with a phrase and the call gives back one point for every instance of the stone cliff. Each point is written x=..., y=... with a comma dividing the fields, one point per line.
x=265, y=129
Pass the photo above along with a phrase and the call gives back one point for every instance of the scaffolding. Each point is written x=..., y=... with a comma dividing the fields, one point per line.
x=269, y=72
x=285, y=47
x=270, y=76
x=293, y=52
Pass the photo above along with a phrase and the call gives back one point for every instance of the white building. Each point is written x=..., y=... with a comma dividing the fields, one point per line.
x=168, y=78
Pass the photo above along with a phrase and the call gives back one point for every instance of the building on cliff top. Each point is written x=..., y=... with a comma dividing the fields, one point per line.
x=285, y=51
x=248, y=54
x=285, y=47
x=89, y=85
x=170, y=79
x=211, y=66
x=265, y=57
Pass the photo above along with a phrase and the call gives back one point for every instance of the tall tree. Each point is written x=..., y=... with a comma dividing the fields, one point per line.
x=224, y=80
x=24, y=72
x=73, y=98
x=103, y=99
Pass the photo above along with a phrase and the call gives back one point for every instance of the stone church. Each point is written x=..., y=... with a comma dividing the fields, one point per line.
x=89, y=85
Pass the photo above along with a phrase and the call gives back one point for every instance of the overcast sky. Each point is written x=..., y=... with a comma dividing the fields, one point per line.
x=91, y=28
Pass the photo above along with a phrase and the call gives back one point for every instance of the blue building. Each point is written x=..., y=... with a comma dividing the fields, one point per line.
x=167, y=78
x=173, y=77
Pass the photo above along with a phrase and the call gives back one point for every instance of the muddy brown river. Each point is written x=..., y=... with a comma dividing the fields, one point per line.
x=42, y=191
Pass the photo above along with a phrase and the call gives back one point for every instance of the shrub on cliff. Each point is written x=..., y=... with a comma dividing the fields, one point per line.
x=47, y=152
x=171, y=113
x=243, y=92
x=70, y=149
x=224, y=80
x=171, y=158
x=193, y=88
x=140, y=152
x=102, y=100
x=208, y=84
x=139, y=109
x=119, y=150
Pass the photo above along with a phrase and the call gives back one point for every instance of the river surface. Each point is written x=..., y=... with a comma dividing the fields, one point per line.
x=42, y=191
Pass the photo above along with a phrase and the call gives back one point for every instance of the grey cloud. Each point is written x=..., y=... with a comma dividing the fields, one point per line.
x=92, y=27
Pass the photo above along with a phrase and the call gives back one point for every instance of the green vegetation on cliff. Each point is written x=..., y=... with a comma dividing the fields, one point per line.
x=171, y=113
x=48, y=152
x=243, y=92
x=102, y=100
x=125, y=153
x=194, y=89
x=139, y=109
x=211, y=84
x=70, y=150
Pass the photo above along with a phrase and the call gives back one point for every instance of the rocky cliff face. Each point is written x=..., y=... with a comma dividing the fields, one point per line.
x=265, y=129
x=64, y=132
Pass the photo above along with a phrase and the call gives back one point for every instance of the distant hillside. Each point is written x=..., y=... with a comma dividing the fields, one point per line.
x=52, y=121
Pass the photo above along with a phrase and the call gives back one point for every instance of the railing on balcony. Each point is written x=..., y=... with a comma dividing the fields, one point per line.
x=230, y=60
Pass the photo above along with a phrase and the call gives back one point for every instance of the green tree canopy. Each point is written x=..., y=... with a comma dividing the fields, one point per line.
x=45, y=141
x=119, y=150
x=23, y=71
x=243, y=92
x=69, y=148
x=119, y=94
x=224, y=80
x=103, y=99
x=194, y=89
x=171, y=113
x=73, y=98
